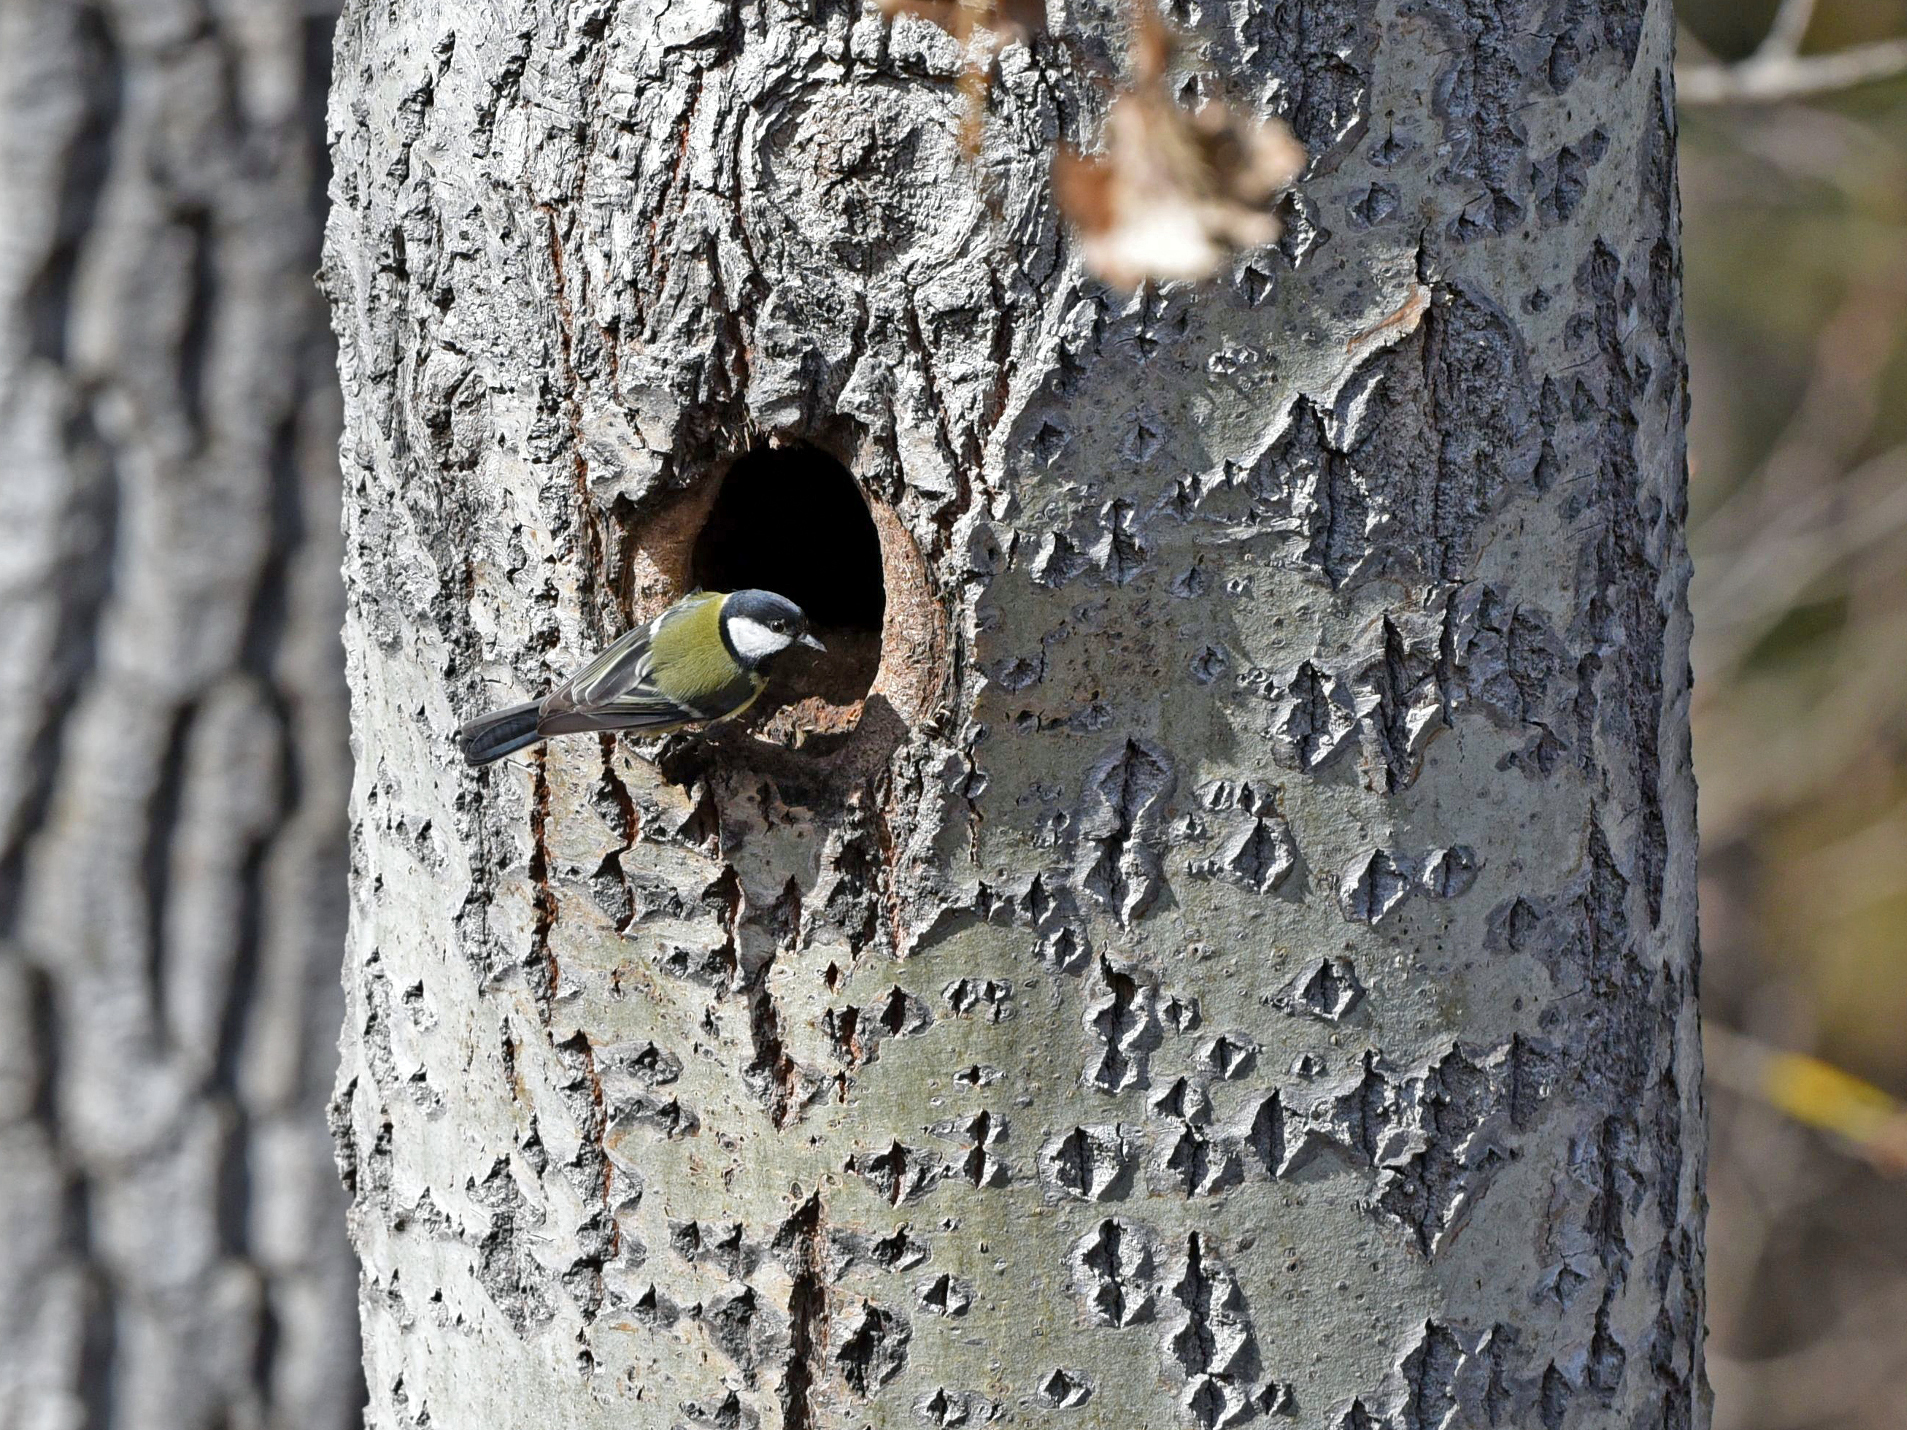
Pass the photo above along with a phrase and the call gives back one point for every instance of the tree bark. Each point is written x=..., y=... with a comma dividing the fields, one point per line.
x=1241, y=964
x=173, y=766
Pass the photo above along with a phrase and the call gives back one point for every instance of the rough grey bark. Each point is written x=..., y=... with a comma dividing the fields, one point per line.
x=173, y=765
x=1242, y=963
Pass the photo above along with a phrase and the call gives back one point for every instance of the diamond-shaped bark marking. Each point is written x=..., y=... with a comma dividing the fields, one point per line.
x=1314, y=718
x=871, y=1347
x=1123, y=1019
x=1094, y=1164
x=989, y=998
x=1115, y=1273
x=1121, y=820
x=1212, y=1343
x=1183, y=1100
x=1230, y=1055
x=902, y=1015
x=1449, y=873
x=900, y=1173
x=1373, y=886
x=1196, y=1165
x=975, y=1164
x=1265, y=1136
x=945, y=1295
x=1065, y=1389
x=1329, y=989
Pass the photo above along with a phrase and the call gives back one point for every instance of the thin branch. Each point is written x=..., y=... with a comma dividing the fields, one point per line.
x=1778, y=571
x=1816, y=1094
x=1790, y=27
x=1772, y=78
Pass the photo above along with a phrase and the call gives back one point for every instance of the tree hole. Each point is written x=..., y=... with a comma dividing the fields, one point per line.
x=792, y=520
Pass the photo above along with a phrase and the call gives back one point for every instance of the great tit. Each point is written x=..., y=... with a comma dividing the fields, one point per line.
x=699, y=661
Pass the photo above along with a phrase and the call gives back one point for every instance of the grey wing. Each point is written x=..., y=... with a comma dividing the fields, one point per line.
x=612, y=692
x=621, y=715
x=622, y=667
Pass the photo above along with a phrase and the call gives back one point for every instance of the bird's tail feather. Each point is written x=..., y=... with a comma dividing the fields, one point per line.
x=501, y=732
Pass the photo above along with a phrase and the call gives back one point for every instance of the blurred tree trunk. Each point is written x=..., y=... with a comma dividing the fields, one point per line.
x=173, y=761
x=1242, y=962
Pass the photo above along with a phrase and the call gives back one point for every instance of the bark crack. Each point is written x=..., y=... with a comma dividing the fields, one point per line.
x=807, y=1316
x=83, y=592
x=591, y=529
x=614, y=794
x=772, y=1069
x=163, y=811
x=543, y=896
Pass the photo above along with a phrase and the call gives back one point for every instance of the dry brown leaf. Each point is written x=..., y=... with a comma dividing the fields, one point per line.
x=1176, y=192
x=1004, y=20
x=1009, y=19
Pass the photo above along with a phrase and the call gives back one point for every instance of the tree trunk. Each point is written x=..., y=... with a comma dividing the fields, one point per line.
x=173, y=768
x=1238, y=958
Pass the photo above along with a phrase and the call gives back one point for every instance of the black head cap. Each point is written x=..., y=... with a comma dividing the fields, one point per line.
x=773, y=623
x=765, y=608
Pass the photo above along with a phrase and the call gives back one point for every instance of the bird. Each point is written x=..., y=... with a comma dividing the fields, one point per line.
x=702, y=660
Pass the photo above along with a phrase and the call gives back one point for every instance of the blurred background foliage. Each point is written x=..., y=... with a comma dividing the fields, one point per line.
x=1796, y=267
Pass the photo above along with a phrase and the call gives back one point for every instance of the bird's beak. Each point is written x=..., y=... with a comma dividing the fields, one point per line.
x=809, y=641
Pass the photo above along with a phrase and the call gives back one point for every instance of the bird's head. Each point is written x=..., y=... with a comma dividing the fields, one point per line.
x=759, y=625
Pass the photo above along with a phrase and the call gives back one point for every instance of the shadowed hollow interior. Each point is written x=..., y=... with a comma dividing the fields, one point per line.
x=792, y=520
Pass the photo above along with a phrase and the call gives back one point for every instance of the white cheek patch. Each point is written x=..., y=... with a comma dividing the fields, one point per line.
x=753, y=641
